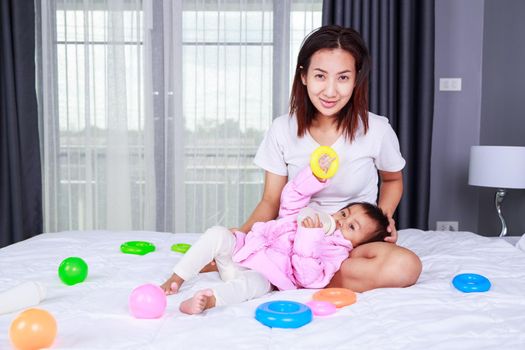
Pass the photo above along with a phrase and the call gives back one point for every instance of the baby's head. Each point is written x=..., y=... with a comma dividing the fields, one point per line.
x=362, y=222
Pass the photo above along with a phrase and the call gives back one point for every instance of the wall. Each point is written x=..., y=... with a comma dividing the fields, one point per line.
x=481, y=42
x=502, y=103
x=457, y=115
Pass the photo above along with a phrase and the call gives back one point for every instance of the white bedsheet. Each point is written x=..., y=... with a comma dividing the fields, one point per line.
x=429, y=315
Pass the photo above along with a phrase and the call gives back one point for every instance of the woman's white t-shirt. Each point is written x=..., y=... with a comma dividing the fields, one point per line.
x=283, y=153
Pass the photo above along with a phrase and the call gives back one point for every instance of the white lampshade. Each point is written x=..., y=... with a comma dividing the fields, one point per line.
x=497, y=166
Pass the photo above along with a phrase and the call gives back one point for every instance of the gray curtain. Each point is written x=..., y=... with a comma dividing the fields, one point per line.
x=400, y=37
x=20, y=177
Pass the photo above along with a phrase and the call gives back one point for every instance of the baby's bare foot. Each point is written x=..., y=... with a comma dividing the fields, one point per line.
x=197, y=303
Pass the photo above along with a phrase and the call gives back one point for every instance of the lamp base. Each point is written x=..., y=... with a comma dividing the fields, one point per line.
x=498, y=200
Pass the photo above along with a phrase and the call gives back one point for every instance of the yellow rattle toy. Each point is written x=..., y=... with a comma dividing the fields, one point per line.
x=314, y=162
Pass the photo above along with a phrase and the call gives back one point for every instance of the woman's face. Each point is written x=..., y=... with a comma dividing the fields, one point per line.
x=330, y=80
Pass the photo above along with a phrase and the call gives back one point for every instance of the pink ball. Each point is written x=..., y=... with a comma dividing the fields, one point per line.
x=147, y=301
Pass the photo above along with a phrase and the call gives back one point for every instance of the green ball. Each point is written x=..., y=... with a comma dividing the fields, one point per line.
x=72, y=270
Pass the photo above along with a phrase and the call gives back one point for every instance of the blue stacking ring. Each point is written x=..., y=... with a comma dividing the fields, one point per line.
x=283, y=314
x=471, y=282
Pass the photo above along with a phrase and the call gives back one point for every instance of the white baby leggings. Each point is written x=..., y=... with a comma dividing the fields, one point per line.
x=241, y=283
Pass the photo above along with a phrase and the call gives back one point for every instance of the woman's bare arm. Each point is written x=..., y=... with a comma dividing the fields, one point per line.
x=268, y=207
x=389, y=196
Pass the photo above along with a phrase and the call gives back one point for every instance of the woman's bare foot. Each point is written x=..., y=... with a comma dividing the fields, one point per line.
x=202, y=300
x=172, y=285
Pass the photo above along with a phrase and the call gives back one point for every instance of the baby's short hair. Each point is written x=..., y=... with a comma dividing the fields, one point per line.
x=378, y=216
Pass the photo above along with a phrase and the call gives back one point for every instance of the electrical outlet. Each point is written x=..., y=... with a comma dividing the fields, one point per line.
x=447, y=226
x=449, y=84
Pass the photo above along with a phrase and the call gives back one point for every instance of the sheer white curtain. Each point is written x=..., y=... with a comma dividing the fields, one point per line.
x=151, y=111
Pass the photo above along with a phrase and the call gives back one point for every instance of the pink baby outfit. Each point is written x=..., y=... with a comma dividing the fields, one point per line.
x=289, y=255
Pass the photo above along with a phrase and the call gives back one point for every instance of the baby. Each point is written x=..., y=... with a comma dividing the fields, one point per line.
x=286, y=253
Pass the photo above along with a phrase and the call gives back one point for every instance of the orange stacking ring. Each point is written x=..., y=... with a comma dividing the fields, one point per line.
x=340, y=297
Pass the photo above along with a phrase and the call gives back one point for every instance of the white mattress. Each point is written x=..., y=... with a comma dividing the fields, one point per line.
x=430, y=315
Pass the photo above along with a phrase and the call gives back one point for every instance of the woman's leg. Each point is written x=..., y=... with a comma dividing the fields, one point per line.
x=378, y=265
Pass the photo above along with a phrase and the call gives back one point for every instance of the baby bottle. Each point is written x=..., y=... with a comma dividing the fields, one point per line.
x=22, y=296
x=327, y=220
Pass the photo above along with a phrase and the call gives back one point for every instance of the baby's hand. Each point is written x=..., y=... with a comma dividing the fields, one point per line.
x=325, y=161
x=308, y=222
x=170, y=286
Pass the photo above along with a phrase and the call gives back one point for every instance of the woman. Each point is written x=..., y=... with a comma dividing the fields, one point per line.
x=329, y=106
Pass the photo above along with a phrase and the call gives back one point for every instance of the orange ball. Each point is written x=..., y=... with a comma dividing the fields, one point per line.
x=33, y=329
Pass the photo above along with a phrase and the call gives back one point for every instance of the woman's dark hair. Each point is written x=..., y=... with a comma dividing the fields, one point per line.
x=376, y=214
x=332, y=37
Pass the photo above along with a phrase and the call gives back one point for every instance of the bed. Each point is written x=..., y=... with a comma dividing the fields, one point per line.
x=429, y=315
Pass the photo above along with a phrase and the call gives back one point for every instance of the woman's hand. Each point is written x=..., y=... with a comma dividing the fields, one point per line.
x=392, y=230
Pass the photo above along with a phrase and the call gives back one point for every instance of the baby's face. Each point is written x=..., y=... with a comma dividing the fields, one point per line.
x=355, y=225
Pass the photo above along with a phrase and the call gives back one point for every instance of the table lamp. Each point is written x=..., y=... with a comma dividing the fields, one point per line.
x=501, y=167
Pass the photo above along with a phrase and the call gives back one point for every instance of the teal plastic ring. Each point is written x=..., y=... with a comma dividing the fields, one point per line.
x=471, y=283
x=283, y=314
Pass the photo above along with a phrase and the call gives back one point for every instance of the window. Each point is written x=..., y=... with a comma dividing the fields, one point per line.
x=152, y=111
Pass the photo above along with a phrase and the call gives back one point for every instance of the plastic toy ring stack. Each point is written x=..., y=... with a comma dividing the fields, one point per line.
x=283, y=314
x=180, y=247
x=314, y=162
x=137, y=247
x=340, y=297
x=471, y=282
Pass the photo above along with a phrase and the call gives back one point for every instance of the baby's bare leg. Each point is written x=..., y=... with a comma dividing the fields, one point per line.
x=202, y=300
